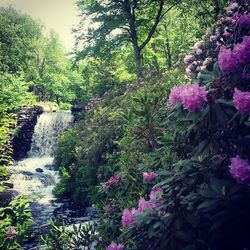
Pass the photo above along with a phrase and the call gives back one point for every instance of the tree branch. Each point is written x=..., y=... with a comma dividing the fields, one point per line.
x=152, y=31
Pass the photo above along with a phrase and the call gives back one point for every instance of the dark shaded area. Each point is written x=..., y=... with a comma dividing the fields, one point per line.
x=26, y=121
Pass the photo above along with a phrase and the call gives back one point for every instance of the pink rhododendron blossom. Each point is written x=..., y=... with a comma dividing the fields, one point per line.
x=127, y=218
x=114, y=246
x=228, y=61
x=242, y=101
x=193, y=97
x=199, y=45
x=240, y=170
x=227, y=34
x=108, y=208
x=175, y=95
x=188, y=59
x=143, y=204
x=11, y=233
x=198, y=52
x=231, y=60
x=207, y=61
x=149, y=176
x=155, y=193
x=113, y=181
x=232, y=7
x=242, y=51
x=244, y=20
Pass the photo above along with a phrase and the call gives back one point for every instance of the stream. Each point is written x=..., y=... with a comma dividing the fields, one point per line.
x=35, y=176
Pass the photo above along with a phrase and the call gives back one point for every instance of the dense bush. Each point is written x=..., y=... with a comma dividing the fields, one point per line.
x=172, y=171
x=15, y=223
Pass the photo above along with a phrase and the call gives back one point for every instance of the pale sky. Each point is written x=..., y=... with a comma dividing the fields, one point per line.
x=59, y=15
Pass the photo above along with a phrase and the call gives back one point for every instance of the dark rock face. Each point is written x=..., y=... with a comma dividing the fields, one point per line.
x=8, y=184
x=39, y=170
x=26, y=121
x=7, y=196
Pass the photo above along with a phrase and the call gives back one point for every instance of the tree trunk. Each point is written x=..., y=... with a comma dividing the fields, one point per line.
x=168, y=53
x=138, y=60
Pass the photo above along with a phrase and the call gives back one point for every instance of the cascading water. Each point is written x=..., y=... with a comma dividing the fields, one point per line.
x=49, y=126
x=35, y=176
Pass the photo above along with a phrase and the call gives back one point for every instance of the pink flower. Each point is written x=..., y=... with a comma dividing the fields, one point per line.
x=113, y=181
x=240, y=170
x=189, y=72
x=198, y=52
x=11, y=233
x=108, y=208
x=193, y=97
x=227, y=34
x=114, y=246
x=143, y=204
x=149, y=176
x=127, y=218
x=232, y=7
x=228, y=60
x=155, y=193
x=242, y=101
x=242, y=51
x=198, y=45
x=188, y=59
x=175, y=95
x=244, y=20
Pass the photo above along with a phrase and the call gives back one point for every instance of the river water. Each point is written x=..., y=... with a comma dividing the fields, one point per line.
x=35, y=176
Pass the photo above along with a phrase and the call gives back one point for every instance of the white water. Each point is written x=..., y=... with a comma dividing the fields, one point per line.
x=25, y=177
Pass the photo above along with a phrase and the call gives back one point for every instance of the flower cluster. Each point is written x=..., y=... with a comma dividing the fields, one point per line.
x=240, y=170
x=244, y=20
x=149, y=176
x=242, y=101
x=114, y=246
x=192, y=96
x=11, y=233
x=128, y=216
x=230, y=60
x=108, y=208
x=113, y=181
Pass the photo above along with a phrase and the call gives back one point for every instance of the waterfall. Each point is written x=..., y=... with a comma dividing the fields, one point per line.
x=36, y=177
x=35, y=174
x=48, y=128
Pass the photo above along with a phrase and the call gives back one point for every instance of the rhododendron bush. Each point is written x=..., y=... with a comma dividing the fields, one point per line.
x=204, y=199
x=171, y=165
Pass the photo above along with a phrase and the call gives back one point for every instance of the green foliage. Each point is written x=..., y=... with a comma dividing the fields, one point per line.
x=13, y=93
x=19, y=35
x=16, y=215
x=61, y=237
x=7, y=125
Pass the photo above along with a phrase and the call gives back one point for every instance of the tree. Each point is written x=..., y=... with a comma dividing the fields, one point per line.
x=18, y=37
x=121, y=21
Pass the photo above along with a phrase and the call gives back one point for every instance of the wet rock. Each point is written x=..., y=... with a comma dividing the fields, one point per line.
x=8, y=184
x=50, y=166
x=39, y=170
x=26, y=121
x=7, y=196
x=47, y=180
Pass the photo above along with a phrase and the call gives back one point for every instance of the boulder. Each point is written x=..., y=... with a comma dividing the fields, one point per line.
x=39, y=170
x=7, y=196
x=8, y=184
x=26, y=121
